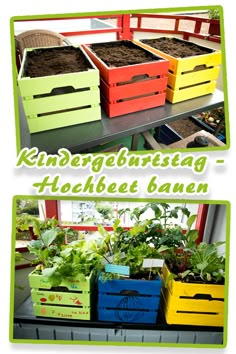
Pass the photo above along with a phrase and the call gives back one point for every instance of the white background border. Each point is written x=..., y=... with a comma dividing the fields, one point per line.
x=15, y=181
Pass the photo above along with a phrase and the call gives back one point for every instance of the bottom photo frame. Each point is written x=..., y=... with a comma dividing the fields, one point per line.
x=141, y=272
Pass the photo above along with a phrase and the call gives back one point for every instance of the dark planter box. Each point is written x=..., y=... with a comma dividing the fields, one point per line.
x=208, y=128
x=167, y=135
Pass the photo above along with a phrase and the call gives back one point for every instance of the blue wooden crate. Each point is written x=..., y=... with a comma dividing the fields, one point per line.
x=129, y=300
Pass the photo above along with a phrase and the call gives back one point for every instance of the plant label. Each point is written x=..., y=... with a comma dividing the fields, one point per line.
x=109, y=259
x=153, y=263
x=118, y=269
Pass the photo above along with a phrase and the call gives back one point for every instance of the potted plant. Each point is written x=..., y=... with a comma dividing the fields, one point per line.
x=158, y=229
x=63, y=280
x=193, y=277
x=128, y=290
x=214, y=16
x=27, y=223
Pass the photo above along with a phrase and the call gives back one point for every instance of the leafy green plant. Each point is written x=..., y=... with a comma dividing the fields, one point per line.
x=45, y=248
x=133, y=258
x=206, y=264
x=76, y=259
x=126, y=253
x=154, y=237
x=25, y=221
x=214, y=14
x=105, y=210
x=157, y=230
x=58, y=261
x=195, y=262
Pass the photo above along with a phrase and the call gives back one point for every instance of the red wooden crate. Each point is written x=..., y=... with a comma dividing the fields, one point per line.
x=131, y=88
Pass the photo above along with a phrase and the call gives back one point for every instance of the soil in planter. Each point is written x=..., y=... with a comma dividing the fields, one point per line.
x=117, y=54
x=55, y=61
x=185, y=127
x=176, y=48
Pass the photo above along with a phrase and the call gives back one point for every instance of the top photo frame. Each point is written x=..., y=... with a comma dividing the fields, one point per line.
x=141, y=79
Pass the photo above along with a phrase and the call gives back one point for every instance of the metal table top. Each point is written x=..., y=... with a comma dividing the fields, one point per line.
x=88, y=135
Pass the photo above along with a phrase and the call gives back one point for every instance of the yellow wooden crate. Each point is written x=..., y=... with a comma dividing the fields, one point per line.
x=192, y=304
x=189, y=77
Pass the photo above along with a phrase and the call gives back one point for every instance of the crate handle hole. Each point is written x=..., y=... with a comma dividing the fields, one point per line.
x=62, y=90
x=140, y=77
x=129, y=292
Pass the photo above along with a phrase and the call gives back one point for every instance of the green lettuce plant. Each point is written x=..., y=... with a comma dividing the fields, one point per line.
x=193, y=262
x=58, y=261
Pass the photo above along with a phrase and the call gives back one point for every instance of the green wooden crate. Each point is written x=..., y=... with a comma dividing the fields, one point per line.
x=76, y=313
x=37, y=281
x=61, y=100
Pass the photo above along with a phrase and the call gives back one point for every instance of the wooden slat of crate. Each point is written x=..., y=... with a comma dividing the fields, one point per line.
x=127, y=73
x=45, y=85
x=60, y=297
x=134, y=301
x=57, y=103
x=53, y=121
x=65, y=312
x=176, y=82
x=142, y=287
x=133, y=105
x=118, y=92
x=175, y=96
x=127, y=316
x=73, y=284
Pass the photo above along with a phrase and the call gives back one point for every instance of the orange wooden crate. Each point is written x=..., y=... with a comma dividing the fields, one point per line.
x=131, y=88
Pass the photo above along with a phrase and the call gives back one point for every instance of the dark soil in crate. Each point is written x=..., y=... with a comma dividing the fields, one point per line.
x=176, y=47
x=185, y=127
x=122, y=53
x=55, y=61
